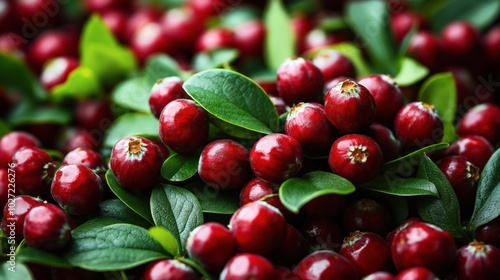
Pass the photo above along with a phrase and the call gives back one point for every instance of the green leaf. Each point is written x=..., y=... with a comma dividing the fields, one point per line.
x=296, y=192
x=401, y=186
x=132, y=94
x=444, y=211
x=370, y=20
x=482, y=14
x=14, y=74
x=238, y=15
x=487, y=206
x=177, y=210
x=180, y=167
x=233, y=98
x=32, y=255
x=279, y=43
x=213, y=200
x=4, y=128
x=160, y=66
x=166, y=239
x=39, y=115
x=233, y=130
x=131, y=124
x=103, y=247
x=214, y=59
x=351, y=51
x=116, y=209
x=18, y=272
x=137, y=202
x=410, y=72
x=405, y=164
x=81, y=83
x=96, y=32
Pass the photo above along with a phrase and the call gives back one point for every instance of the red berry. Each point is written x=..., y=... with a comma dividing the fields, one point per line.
x=169, y=270
x=379, y=275
x=149, y=39
x=489, y=232
x=389, y=144
x=350, y=107
x=405, y=224
x=367, y=215
x=139, y=19
x=34, y=171
x=269, y=86
x=491, y=43
x=283, y=273
x=257, y=227
x=427, y=49
x=46, y=227
x=11, y=142
x=402, y=23
x=460, y=39
x=388, y=97
x=116, y=20
x=333, y=64
x=94, y=114
x=163, y=92
x=318, y=38
x=416, y=273
x=292, y=249
x=215, y=38
x=89, y=158
x=465, y=85
x=84, y=139
x=249, y=38
x=325, y=206
x=279, y=104
x=256, y=189
x=248, y=266
x=40, y=12
x=368, y=252
x=103, y=5
x=207, y=8
x=4, y=186
x=182, y=26
x=358, y=158
x=15, y=212
x=77, y=189
x=482, y=120
x=478, y=261
x=184, y=126
x=426, y=245
x=51, y=44
x=323, y=234
x=323, y=265
x=276, y=158
x=57, y=70
x=473, y=148
x=212, y=245
x=418, y=125
x=136, y=162
x=298, y=80
x=463, y=176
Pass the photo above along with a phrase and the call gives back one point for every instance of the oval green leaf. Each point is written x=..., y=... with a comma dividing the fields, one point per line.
x=15, y=74
x=180, y=167
x=132, y=94
x=17, y=272
x=32, y=255
x=116, y=209
x=158, y=67
x=404, y=164
x=401, y=186
x=81, y=83
x=166, y=239
x=131, y=124
x=38, y=115
x=213, y=200
x=279, y=43
x=214, y=59
x=410, y=72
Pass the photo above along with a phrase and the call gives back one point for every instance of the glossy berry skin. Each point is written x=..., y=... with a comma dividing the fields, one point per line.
x=426, y=245
x=482, y=120
x=215, y=38
x=257, y=227
x=308, y=124
x=416, y=273
x=89, y=158
x=182, y=26
x=390, y=236
x=323, y=234
x=379, y=275
x=389, y=144
x=249, y=38
x=57, y=70
x=462, y=176
x=478, y=261
x=350, y=107
x=46, y=227
x=50, y=45
x=299, y=80
x=356, y=157
x=427, y=49
x=81, y=138
x=163, y=92
x=402, y=23
x=139, y=19
x=34, y=171
x=368, y=252
x=256, y=189
x=248, y=266
x=104, y=5
x=279, y=104
x=17, y=212
x=212, y=245
x=184, y=126
x=325, y=206
x=136, y=162
x=149, y=39
x=388, y=97
x=367, y=215
x=460, y=39
x=276, y=157
x=323, y=265
x=489, y=232
x=169, y=270
x=224, y=164
x=77, y=189
x=417, y=125
x=11, y=142
x=94, y=114
x=473, y=148
x=333, y=64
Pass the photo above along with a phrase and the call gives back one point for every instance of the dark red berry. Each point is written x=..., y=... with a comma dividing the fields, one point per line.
x=289, y=215
x=473, y=148
x=51, y=44
x=169, y=270
x=4, y=186
x=279, y=104
x=283, y=273
x=276, y=157
x=325, y=206
x=465, y=85
x=57, y=70
x=463, y=176
x=301, y=25
x=405, y=224
x=292, y=249
x=89, y=158
x=257, y=227
x=215, y=38
x=11, y=142
x=402, y=23
x=460, y=39
x=248, y=266
x=34, y=171
x=249, y=38
x=482, y=120
x=323, y=234
x=182, y=26
x=269, y=86
x=94, y=114
x=333, y=64
x=491, y=44
x=103, y=5
x=256, y=189
x=163, y=92
x=139, y=19
x=350, y=107
x=207, y=8
x=478, y=261
x=489, y=232
x=184, y=126
x=389, y=144
x=116, y=20
x=82, y=138
x=379, y=275
x=322, y=265
x=136, y=162
x=367, y=215
x=149, y=39
x=46, y=227
x=299, y=80
x=416, y=273
x=40, y=12
x=357, y=158
x=427, y=49
x=14, y=214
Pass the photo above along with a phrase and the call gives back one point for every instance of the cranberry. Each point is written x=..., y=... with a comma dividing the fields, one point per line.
x=136, y=162
x=89, y=158
x=464, y=84
x=269, y=86
x=478, y=261
x=11, y=142
x=350, y=107
x=139, y=19
x=149, y=39
x=482, y=120
x=81, y=138
x=8, y=20
x=463, y=176
x=103, y=5
x=329, y=84
x=4, y=186
x=460, y=39
x=256, y=189
x=379, y=275
x=163, y=92
x=57, y=71
x=358, y=158
x=491, y=43
x=489, y=232
x=182, y=26
x=50, y=45
x=116, y=20
x=215, y=38
x=426, y=245
x=367, y=215
x=323, y=234
x=427, y=49
x=32, y=11
x=402, y=23
x=184, y=126
x=14, y=214
x=283, y=273
x=289, y=216
x=292, y=249
x=473, y=148
x=258, y=227
x=318, y=38
x=249, y=38
x=34, y=171
x=94, y=114
x=299, y=80
x=333, y=64
x=248, y=266
x=416, y=273
x=325, y=206
x=279, y=104
x=301, y=25
x=208, y=8
x=77, y=189
x=368, y=252
x=224, y=164
x=417, y=125
x=276, y=158
x=46, y=227
x=405, y=224
x=326, y=265
x=212, y=245
x=389, y=144
x=308, y=124
x=388, y=97
x=169, y=270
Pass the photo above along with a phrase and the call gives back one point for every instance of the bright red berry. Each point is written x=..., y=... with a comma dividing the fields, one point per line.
x=482, y=120
x=427, y=49
x=215, y=38
x=389, y=144
x=163, y=92
x=460, y=39
x=367, y=215
x=299, y=80
x=322, y=265
x=478, y=261
x=402, y=23
x=11, y=142
x=169, y=270
x=473, y=148
x=256, y=189
x=34, y=171
x=94, y=114
x=249, y=38
x=57, y=70
x=333, y=64
x=416, y=273
x=14, y=214
x=462, y=176
x=89, y=158
x=248, y=266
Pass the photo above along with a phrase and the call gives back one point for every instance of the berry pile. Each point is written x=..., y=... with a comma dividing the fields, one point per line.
x=217, y=139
